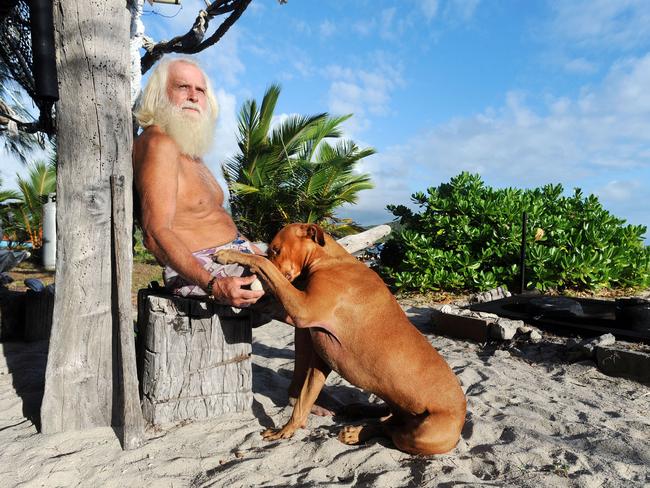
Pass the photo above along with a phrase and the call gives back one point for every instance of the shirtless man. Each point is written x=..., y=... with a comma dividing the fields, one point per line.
x=181, y=203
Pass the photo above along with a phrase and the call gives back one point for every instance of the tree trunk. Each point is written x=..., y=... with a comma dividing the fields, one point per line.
x=94, y=141
x=195, y=358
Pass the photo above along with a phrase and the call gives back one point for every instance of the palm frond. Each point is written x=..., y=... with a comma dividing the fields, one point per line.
x=290, y=173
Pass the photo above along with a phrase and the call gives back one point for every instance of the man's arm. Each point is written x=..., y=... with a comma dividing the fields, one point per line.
x=157, y=166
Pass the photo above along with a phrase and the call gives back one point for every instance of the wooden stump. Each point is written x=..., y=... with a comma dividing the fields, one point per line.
x=193, y=358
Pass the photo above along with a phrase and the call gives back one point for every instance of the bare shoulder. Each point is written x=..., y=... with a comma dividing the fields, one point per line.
x=154, y=147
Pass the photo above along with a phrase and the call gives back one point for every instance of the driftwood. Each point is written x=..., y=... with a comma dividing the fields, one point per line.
x=362, y=240
x=194, y=358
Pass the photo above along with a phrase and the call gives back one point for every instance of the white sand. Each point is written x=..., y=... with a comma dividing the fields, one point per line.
x=532, y=421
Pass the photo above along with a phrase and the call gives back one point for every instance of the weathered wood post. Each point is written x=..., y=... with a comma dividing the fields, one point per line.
x=94, y=137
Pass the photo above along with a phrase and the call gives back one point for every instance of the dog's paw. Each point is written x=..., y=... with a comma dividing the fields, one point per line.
x=274, y=434
x=350, y=434
x=226, y=256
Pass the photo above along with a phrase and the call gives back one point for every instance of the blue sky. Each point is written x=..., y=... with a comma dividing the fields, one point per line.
x=523, y=92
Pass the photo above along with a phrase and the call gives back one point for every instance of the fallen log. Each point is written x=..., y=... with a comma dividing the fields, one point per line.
x=365, y=239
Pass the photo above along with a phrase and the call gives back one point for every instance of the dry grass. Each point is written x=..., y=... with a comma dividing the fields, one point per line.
x=143, y=274
x=28, y=269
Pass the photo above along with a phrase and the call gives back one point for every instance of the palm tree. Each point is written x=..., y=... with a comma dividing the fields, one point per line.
x=40, y=181
x=19, y=144
x=6, y=198
x=290, y=173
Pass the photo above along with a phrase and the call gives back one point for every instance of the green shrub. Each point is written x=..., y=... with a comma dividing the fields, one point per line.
x=468, y=237
x=140, y=253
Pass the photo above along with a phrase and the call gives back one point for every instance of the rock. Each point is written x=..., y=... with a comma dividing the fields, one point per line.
x=524, y=329
x=535, y=336
x=504, y=329
x=500, y=353
x=447, y=308
x=490, y=295
x=587, y=347
x=464, y=312
x=486, y=315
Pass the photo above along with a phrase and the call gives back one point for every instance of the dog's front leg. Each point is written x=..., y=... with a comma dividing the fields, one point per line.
x=292, y=299
x=316, y=376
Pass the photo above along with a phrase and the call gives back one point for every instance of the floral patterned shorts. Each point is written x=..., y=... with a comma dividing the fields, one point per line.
x=180, y=286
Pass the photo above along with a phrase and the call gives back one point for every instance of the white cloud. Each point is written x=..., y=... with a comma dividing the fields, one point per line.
x=257, y=8
x=461, y=10
x=619, y=190
x=429, y=8
x=327, y=28
x=222, y=62
x=628, y=198
x=162, y=22
x=580, y=66
x=611, y=24
x=364, y=93
x=601, y=133
x=225, y=145
x=386, y=17
x=10, y=166
x=302, y=27
x=365, y=26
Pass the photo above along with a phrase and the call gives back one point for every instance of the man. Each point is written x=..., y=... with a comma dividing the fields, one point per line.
x=181, y=203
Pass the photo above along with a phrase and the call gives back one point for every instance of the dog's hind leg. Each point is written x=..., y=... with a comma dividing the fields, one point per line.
x=428, y=433
x=358, y=434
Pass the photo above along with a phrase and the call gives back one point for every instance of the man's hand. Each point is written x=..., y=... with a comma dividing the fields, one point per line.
x=230, y=291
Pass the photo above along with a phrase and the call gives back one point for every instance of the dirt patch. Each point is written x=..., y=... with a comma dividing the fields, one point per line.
x=28, y=269
x=143, y=273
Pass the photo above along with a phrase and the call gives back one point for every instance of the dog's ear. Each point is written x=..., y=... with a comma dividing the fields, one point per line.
x=316, y=234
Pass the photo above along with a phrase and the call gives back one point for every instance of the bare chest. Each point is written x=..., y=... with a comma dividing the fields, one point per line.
x=198, y=190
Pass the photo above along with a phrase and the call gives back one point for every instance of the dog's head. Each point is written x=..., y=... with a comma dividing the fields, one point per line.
x=291, y=248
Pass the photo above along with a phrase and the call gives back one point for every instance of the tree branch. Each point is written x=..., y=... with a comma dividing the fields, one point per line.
x=44, y=124
x=192, y=41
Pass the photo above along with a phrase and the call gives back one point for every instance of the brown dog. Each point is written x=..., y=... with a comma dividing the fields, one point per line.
x=358, y=329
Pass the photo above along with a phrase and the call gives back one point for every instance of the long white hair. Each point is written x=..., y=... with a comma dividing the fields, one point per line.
x=154, y=97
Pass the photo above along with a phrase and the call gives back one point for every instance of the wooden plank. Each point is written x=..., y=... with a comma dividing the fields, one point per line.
x=131, y=413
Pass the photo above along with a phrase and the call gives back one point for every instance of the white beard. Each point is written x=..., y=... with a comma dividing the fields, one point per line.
x=193, y=134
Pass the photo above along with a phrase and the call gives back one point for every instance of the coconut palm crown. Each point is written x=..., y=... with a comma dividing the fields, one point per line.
x=292, y=172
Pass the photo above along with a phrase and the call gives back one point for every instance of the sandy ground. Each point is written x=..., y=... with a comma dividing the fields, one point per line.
x=533, y=420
